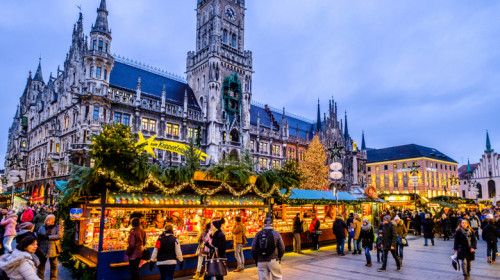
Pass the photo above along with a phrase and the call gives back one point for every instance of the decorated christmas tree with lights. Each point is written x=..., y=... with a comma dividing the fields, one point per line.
x=313, y=167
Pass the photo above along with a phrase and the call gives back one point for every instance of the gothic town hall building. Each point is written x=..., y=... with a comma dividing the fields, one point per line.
x=56, y=116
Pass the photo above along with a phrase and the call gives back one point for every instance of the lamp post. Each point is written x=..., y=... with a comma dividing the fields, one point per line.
x=414, y=180
x=335, y=168
x=454, y=187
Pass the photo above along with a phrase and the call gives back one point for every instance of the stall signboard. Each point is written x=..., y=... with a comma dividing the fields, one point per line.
x=433, y=205
x=150, y=144
x=393, y=198
x=153, y=199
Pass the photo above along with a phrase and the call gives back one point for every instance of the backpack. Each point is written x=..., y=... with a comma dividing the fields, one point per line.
x=3, y=275
x=266, y=244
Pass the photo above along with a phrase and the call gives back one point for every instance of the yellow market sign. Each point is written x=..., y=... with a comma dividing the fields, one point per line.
x=175, y=147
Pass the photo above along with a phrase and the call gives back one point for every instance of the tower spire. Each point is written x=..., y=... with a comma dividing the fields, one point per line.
x=318, y=121
x=488, y=144
x=363, y=145
x=469, y=169
x=101, y=21
x=346, y=130
x=38, y=75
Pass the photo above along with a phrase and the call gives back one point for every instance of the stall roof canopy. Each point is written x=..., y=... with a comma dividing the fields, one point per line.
x=314, y=195
x=452, y=200
x=61, y=185
x=15, y=192
x=444, y=204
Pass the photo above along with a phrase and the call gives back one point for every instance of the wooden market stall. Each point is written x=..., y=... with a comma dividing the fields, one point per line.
x=307, y=202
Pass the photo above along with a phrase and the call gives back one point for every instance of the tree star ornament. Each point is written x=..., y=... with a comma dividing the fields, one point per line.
x=335, y=151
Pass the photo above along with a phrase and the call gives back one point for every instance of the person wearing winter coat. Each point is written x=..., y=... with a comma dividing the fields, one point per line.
x=339, y=229
x=366, y=236
x=239, y=231
x=465, y=246
x=378, y=244
x=490, y=236
x=166, y=253
x=40, y=218
x=27, y=215
x=349, y=222
x=49, y=236
x=268, y=266
x=474, y=223
x=313, y=229
x=202, y=249
x=446, y=227
x=402, y=232
x=298, y=221
x=218, y=245
x=22, y=263
x=357, y=230
x=10, y=222
x=428, y=225
x=417, y=223
x=136, y=243
x=389, y=238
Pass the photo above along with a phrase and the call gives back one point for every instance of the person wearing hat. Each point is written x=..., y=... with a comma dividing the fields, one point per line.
x=339, y=229
x=490, y=236
x=10, y=222
x=402, y=232
x=389, y=238
x=268, y=265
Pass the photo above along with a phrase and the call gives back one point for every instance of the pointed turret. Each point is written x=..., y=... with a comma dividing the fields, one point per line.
x=469, y=169
x=346, y=130
x=318, y=121
x=363, y=145
x=488, y=144
x=101, y=21
x=38, y=75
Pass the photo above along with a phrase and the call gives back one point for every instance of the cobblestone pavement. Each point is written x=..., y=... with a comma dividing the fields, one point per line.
x=420, y=262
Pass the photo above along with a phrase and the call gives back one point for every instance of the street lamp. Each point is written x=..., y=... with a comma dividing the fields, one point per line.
x=453, y=183
x=335, y=168
x=414, y=180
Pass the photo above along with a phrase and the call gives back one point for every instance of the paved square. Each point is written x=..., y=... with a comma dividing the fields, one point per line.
x=420, y=262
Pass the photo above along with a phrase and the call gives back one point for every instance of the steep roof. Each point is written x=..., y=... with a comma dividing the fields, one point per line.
x=125, y=75
x=265, y=120
x=462, y=170
x=404, y=152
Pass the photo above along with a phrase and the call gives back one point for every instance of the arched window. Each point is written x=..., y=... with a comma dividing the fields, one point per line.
x=234, y=136
x=233, y=40
x=224, y=36
x=479, y=191
x=492, y=192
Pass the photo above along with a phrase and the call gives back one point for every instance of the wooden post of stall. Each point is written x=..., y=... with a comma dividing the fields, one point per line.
x=101, y=225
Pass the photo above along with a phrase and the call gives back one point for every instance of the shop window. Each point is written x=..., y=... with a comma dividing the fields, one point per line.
x=145, y=123
x=152, y=125
x=175, y=130
x=169, y=128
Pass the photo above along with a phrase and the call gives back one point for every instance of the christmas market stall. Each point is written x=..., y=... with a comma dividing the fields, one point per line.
x=305, y=203
x=19, y=201
x=370, y=206
x=99, y=202
x=442, y=203
x=402, y=200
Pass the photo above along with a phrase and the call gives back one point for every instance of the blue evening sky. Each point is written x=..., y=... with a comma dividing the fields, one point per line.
x=424, y=72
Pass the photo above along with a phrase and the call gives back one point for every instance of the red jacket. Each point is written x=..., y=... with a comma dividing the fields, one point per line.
x=27, y=216
x=136, y=243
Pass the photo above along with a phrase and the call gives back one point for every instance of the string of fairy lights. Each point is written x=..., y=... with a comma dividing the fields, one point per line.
x=172, y=190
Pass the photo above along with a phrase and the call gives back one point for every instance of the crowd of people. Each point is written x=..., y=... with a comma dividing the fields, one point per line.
x=37, y=236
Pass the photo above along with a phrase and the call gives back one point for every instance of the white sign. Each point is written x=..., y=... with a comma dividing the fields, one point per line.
x=403, y=170
x=431, y=169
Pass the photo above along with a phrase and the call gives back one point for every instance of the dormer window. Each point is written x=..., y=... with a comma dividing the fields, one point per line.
x=100, y=45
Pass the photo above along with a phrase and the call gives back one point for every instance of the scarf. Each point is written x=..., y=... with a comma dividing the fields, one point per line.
x=367, y=227
x=467, y=234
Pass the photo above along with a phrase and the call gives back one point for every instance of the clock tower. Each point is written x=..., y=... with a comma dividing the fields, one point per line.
x=220, y=74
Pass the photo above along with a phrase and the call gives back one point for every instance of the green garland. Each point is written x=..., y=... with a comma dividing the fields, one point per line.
x=299, y=201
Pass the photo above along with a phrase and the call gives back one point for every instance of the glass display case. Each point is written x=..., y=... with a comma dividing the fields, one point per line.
x=284, y=215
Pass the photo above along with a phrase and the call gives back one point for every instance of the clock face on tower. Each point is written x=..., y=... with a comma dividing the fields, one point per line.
x=230, y=13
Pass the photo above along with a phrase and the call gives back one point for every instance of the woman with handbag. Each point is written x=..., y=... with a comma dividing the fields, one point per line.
x=136, y=243
x=402, y=232
x=166, y=253
x=465, y=246
x=217, y=252
x=202, y=250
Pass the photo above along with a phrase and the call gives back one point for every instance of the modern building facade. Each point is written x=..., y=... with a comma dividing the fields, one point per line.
x=389, y=170
x=484, y=175
x=56, y=116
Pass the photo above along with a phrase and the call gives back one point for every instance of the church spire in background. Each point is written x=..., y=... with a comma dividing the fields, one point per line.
x=38, y=75
x=318, y=121
x=101, y=21
x=488, y=144
x=363, y=145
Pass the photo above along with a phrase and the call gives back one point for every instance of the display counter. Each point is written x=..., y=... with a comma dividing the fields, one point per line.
x=189, y=214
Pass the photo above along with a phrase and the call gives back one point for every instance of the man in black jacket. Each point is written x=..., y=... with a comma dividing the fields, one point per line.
x=389, y=238
x=297, y=230
x=339, y=228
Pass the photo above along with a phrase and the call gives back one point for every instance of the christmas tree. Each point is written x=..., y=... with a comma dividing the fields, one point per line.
x=313, y=167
